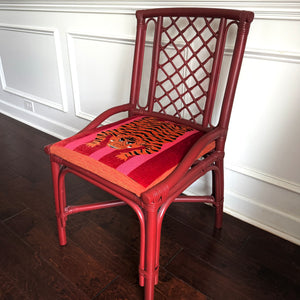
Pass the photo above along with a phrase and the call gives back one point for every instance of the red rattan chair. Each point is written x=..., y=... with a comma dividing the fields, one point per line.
x=168, y=140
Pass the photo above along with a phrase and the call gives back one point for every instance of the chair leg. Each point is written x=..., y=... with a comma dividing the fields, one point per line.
x=59, y=196
x=151, y=269
x=218, y=189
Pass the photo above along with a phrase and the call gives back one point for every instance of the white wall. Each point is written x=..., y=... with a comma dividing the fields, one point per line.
x=72, y=59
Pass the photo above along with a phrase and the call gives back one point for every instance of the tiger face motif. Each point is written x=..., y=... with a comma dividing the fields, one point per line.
x=125, y=142
x=143, y=136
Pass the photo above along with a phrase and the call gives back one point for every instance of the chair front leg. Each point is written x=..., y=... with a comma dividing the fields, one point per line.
x=60, y=201
x=151, y=269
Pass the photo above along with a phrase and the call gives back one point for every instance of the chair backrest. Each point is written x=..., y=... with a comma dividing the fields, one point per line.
x=187, y=47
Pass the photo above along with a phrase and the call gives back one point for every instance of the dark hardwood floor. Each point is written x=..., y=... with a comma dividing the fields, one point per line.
x=100, y=260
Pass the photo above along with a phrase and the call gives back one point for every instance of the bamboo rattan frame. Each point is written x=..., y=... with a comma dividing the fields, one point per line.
x=152, y=205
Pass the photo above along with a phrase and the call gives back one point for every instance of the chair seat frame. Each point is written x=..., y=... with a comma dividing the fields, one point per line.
x=151, y=206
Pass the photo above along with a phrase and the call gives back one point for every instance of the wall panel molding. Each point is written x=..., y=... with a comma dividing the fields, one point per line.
x=71, y=37
x=259, y=175
x=265, y=218
x=266, y=54
x=60, y=69
x=262, y=54
x=276, y=10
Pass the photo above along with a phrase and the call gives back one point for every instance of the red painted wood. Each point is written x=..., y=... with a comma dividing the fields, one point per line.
x=188, y=48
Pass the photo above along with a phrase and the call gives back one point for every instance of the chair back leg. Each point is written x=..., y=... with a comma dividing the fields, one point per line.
x=218, y=191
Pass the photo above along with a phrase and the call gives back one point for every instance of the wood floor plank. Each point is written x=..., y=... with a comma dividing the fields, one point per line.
x=275, y=254
x=172, y=287
x=250, y=275
x=122, y=290
x=33, y=276
x=113, y=253
x=201, y=217
x=85, y=272
x=122, y=223
x=31, y=195
x=9, y=289
x=9, y=208
x=204, y=277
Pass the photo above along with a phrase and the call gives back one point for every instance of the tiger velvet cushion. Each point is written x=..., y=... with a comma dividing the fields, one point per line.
x=124, y=151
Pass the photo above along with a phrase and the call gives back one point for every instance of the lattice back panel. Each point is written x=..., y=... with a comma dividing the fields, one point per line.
x=185, y=59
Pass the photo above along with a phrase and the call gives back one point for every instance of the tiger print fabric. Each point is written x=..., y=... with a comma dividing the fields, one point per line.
x=143, y=136
x=135, y=153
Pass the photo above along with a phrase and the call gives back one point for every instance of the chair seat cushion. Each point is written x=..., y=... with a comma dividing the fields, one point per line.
x=135, y=153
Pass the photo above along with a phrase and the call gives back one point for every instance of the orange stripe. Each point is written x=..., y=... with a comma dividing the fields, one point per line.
x=98, y=168
x=112, y=174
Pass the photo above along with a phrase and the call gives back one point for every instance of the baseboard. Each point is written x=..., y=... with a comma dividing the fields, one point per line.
x=264, y=217
x=37, y=121
x=255, y=213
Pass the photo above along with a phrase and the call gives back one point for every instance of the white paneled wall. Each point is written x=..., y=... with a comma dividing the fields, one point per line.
x=101, y=72
x=29, y=52
x=63, y=62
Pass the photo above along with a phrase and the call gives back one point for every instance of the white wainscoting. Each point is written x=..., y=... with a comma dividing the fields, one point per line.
x=73, y=60
x=31, y=65
x=111, y=77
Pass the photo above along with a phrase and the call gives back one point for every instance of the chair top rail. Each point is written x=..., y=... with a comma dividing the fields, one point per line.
x=196, y=12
